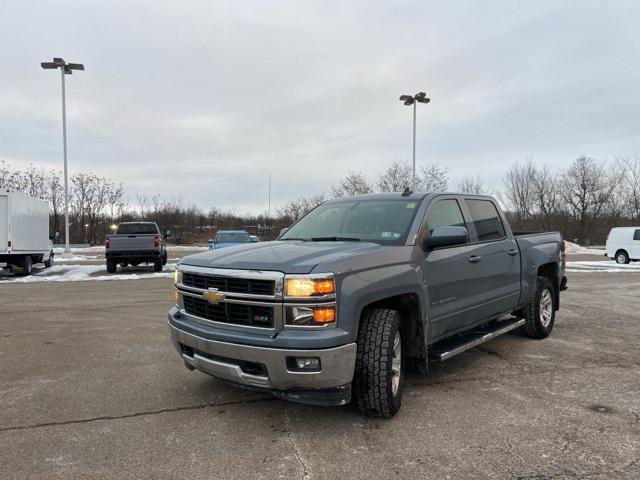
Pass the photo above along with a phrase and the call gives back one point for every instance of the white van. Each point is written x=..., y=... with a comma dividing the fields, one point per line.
x=623, y=244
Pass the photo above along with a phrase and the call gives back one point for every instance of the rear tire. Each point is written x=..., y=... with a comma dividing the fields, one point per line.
x=622, y=257
x=27, y=266
x=112, y=266
x=379, y=375
x=164, y=258
x=540, y=314
x=157, y=265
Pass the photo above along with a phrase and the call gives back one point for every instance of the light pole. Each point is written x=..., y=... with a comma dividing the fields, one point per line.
x=65, y=69
x=420, y=97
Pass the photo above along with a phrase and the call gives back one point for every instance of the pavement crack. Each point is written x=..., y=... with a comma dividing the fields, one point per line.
x=134, y=415
x=306, y=473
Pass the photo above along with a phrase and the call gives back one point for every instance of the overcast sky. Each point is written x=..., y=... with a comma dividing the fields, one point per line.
x=202, y=99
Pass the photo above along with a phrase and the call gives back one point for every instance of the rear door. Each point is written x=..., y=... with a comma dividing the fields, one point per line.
x=499, y=257
x=453, y=279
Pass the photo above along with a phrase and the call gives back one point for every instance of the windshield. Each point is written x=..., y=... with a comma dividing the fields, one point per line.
x=380, y=221
x=137, y=229
x=232, y=237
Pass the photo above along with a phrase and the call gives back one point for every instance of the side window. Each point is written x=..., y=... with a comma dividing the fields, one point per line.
x=486, y=220
x=636, y=235
x=445, y=213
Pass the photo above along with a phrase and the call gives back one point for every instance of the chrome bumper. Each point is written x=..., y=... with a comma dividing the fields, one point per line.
x=337, y=364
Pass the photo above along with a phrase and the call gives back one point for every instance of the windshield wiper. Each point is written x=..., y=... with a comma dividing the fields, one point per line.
x=334, y=239
x=297, y=239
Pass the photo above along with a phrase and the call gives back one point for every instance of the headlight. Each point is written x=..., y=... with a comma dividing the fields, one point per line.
x=177, y=275
x=309, y=287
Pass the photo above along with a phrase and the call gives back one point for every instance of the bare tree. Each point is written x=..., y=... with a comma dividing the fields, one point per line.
x=630, y=172
x=545, y=195
x=472, y=184
x=395, y=178
x=587, y=188
x=432, y=178
x=519, y=190
x=296, y=209
x=353, y=184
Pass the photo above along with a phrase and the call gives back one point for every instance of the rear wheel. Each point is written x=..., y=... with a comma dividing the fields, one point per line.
x=27, y=265
x=622, y=257
x=157, y=265
x=111, y=266
x=164, y=258
x=378, y=376
x=540, y=314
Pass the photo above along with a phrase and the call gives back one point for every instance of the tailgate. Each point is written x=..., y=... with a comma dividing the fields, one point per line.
x=131, y=242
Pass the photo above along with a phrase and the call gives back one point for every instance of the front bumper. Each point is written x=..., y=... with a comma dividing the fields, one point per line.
x=266, y=368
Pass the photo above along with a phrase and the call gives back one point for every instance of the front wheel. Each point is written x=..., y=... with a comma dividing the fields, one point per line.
x=49, y=262
x=379, y=374
x=540, y=314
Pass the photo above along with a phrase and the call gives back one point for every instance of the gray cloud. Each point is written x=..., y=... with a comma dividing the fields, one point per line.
x=203, y=99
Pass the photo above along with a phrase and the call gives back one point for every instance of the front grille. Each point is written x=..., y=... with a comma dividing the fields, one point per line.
x=229, y=284
x=237, y=314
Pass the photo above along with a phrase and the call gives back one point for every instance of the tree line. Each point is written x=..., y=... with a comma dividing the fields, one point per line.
x=582, y=201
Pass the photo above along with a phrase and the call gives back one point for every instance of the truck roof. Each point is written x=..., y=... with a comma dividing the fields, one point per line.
x=410, y=196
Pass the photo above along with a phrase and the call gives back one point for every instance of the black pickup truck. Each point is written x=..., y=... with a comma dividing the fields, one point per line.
x=360, y=289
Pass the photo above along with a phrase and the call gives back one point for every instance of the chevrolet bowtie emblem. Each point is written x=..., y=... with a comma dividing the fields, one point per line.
x=213, y=295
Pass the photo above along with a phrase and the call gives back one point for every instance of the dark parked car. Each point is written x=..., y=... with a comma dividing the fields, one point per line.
x=134, y=243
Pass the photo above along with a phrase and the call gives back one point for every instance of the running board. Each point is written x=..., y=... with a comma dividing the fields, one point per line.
x=452, y=348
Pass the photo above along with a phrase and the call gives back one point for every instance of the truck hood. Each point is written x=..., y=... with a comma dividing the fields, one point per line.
x=283, y=256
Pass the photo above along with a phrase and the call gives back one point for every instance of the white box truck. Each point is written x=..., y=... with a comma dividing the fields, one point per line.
x=24, y=232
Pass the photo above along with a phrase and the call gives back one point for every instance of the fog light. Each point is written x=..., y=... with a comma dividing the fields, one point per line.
x=303, y=364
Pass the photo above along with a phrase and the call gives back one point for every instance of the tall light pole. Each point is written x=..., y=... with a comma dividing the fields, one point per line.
x=65, y=69
x=420, y=97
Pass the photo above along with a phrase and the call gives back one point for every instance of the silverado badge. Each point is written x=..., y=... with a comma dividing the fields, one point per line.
x=213, y=295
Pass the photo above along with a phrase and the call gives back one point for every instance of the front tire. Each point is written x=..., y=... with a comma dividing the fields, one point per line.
x=622, y=257
x=379, y=374
x=49, y=263
x=540, y=314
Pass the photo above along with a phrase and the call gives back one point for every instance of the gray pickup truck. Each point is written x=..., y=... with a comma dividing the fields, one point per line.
x=360, y=289
x=134, y=243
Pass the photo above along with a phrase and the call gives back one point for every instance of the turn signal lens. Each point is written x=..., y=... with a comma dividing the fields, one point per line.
x=324, y=315
x=308, y=287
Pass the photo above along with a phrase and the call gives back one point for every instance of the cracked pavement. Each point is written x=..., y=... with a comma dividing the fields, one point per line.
x=90, y=387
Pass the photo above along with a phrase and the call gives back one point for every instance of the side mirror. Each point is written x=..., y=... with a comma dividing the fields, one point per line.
x=167, y=233
x=282, y=231
x=445, y=237
x=210, y=240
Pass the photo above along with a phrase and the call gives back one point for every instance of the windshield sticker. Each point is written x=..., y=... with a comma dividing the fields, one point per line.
x=390, y=235
x=411, y=205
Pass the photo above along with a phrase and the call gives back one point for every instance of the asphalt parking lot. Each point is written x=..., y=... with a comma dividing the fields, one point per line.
x=90, y=387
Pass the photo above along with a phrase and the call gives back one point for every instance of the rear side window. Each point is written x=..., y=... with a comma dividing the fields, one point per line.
x=486, y=220
x=445, y=213
x=136, y=229
x=636, y=235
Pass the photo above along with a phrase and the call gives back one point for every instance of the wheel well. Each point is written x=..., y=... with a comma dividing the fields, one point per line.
x=621, y=250
x=550, y=271
x=411, y=325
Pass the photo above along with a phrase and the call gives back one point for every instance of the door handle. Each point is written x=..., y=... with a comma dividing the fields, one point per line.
x=513, y=252
x=474, y=258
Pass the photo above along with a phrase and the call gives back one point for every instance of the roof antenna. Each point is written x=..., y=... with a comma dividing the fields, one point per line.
x=407, y=192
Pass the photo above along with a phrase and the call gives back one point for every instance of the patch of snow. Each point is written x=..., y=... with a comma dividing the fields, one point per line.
x=575, y=249
x=77, y=273
x=608, y=267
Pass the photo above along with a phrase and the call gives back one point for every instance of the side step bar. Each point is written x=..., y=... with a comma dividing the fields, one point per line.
x=445, y=351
